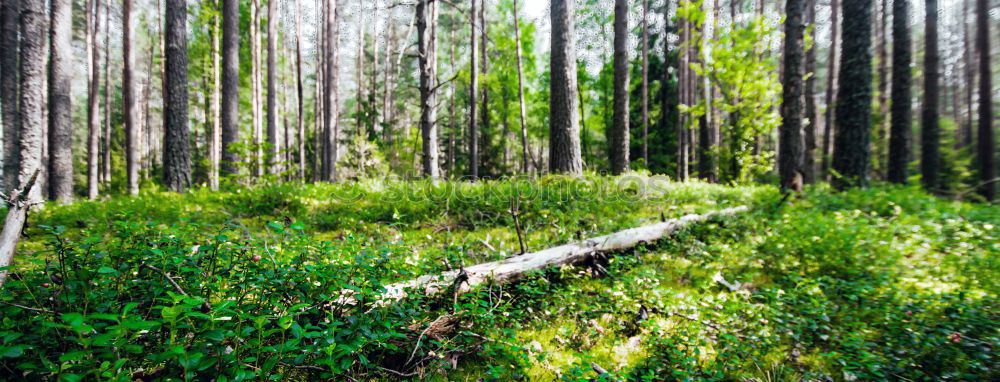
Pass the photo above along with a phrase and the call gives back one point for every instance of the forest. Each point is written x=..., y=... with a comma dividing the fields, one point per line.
x=499, y=190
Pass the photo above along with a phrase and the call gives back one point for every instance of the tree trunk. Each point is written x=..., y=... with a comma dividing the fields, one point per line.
x=853, y=110
x=10, y=11
x=128, y=98
x=986, y=145
x=618, y=142
x=473, y=86
x=791, y=141
x=683, y=82
x=230, y=86
x=645, y=83
x=831, y=87
x=968, y=63
x=106, y=166
x=564, y=131
x=300, y=95
x=666, y=107
x=426, y=17
x=176, y=154
x=13, y=226
x=902, y=74
x=882, y=129
x=32, y=107
x=255, y=88
x=808, y=158
x=525, y=151
x=330, y=79
x=487, y=156
x=215, y=152
x=930, y=134
x=93, y=93
x=272, y=89
x=514, y=268
x=61, y=102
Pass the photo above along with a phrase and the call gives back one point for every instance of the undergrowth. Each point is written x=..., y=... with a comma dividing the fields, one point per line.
x=282, y=282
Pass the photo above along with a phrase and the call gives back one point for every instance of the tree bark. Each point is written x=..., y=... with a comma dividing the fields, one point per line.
x=299, y=89
x=986, y=144
x=9, y=24
x=426, y=17
x=32, y=101
x=668, y=74
x=93, y=94
x=230, y=85
x=791, y=141
x=808, y=158
x=487, y=156
x=176, y=154
x=853, y=110
x=255, y=88
x=882, y=129
x=106, y=149
x=514, y=268
x=17, y=213
x=525, y=151
x=61, y=102
x=930, y=134
x=969, y=66
x=215, y=148
x=128, y=98
x=618, y=144
x=473, y=90
x=829, y=124
x=330, y=79
x=645, y=83
x=272, y=89
x=902, y=119
x=564, y=132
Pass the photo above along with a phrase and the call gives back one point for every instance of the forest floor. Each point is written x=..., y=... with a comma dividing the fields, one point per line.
x=882, y=283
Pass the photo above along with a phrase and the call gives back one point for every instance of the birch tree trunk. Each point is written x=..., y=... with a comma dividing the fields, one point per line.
x=426, y=17
x=32, y=95
x=473, y=90
x=60, y=102
x=272, y=88
x=299, y=91
x=93, y=94
x=525, y=150
x=128, y=98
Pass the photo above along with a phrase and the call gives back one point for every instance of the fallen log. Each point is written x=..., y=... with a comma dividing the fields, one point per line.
x=18, y=204
x=513, y=268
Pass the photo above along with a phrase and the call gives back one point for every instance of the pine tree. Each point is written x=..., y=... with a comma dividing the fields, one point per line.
x=902, y=119
x=176, y=154
x=564, y=132
x=618, y=142
x=851, y=149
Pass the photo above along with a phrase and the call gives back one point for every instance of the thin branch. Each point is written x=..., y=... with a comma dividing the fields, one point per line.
x=28, y=307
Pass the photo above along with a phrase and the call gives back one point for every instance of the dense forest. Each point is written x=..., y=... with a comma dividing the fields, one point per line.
x=631, y=190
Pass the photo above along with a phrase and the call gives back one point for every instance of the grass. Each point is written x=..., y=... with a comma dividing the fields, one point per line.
x=882, y=283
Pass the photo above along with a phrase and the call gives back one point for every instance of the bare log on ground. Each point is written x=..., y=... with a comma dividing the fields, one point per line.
x=18, y=204
x=511, y=269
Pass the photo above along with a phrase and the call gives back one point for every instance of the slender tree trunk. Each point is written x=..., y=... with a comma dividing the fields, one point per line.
x=230, y=86
x=487, y=157
x=682, y=91
x=450, y=159
x=128, y=96
x=831, y=87
x=106, y=166
x=360, y=73
x=330, y=104
x=272, y=90
x=60, y=102
x=300, y=94
x=852, y=148
x=215, y=152
x=882, y=129
x=930, y=135
x=969, y=65
x=32, y=102
x=9, y=24
x=985, y=145
x=176, y=154
x=791, y=142
x=426, y=17
x=473, y=86
x=667, y=107
x=525, y=150
x=93, y=94
x=564, y=132
x=618, y=144
x=645, y=83
x=255, y=88
x=808, y=158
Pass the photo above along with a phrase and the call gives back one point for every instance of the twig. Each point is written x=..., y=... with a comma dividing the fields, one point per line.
x=417, y=346
x=177, y=286
x=398, y=373
x=515, y=205
x=28, y=307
